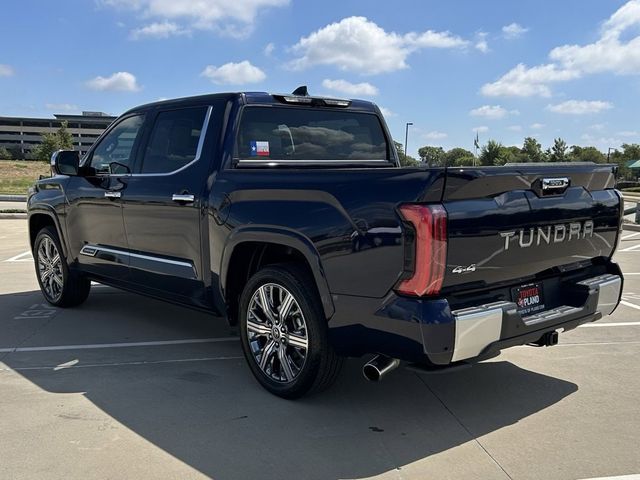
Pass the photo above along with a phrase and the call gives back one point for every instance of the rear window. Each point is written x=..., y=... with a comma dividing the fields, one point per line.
x=281, y=133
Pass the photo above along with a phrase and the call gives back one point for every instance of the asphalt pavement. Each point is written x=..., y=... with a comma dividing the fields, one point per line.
x=129, y=387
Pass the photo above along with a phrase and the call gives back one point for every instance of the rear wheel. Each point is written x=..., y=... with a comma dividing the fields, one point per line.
x=284, y=332
x=60, y=286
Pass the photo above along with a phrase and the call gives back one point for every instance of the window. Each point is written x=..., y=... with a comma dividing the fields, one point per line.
x=114, y=152
x=174, y=140
x=285, y=133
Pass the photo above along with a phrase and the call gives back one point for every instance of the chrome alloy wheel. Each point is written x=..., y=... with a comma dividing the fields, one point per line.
x=277, y=332
x=50, y=269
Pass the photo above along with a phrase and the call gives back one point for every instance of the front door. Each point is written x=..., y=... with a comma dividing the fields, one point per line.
x=95, y=225
x=163, y=206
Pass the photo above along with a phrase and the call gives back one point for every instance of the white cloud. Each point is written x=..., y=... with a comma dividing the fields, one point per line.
x=435, y=135
x=602, y=143
x=580, y=107
x=492, y=112
x=358, y=44
x=515, y=128
x=537, y=126
x=233, y=18
x=522, y=81
x=119, y=81
x=6, y=70
x=616, y=51
x=628, y=133
x=386, y=112
x=349, y=88
x=269, y=48
x=513, y=30
x=597, y=127
x=480, y=129
x=481, y=43
x=164, y=29
x=62, y=107
x=234, y=73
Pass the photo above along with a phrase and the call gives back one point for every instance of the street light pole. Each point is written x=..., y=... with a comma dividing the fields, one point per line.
x=406, y=138
x=609, y=153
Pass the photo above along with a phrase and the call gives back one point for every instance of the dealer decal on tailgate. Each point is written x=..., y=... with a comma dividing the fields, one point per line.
x=528, y=298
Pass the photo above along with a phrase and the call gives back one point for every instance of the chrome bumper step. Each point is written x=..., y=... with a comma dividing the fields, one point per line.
x=478, y=327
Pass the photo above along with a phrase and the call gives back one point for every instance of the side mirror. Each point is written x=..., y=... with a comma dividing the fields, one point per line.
x=65, y=162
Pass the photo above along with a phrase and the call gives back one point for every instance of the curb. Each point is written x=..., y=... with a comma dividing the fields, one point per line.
x=631, y=227
x=13, y=198
x=13, y=216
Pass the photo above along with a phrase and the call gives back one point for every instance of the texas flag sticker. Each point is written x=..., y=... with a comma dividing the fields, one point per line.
x=260, y=149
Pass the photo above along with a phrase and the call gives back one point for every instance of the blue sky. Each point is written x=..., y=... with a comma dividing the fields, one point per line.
x=508, y=69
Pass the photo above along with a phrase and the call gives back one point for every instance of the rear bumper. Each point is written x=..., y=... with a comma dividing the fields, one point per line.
x=429, y=331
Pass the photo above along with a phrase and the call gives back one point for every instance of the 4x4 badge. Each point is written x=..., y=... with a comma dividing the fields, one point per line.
x=461, y=269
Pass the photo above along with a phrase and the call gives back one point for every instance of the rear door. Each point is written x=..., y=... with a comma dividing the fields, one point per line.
x=163, y=204
x=511, y=223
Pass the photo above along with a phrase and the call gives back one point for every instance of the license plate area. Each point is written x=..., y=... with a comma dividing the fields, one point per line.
x=528, y=298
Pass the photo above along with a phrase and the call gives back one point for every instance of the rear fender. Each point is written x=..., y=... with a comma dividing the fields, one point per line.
x=279, y=236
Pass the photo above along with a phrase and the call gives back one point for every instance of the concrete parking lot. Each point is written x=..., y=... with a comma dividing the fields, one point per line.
x=129, y=387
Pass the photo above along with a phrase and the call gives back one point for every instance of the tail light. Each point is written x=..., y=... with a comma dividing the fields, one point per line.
x=429, y=249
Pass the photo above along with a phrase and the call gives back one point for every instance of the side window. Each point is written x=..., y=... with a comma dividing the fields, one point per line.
x=114, y=152
x=174, y=140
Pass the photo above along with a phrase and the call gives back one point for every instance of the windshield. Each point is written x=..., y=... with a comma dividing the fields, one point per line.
x=286, y=133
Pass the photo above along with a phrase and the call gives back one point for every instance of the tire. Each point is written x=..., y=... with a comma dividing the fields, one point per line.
x=60, y=286
x=289, y=370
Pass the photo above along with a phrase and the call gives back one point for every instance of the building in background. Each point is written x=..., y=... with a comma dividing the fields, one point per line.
x=20, y=135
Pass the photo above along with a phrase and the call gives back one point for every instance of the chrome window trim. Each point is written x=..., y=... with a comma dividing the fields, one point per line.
x=92, y=251
x=203, y=134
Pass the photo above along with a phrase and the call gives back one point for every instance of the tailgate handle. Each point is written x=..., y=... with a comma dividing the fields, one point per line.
x=554, y=186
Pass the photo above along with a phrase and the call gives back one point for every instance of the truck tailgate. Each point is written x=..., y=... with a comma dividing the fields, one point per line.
x=508, y=224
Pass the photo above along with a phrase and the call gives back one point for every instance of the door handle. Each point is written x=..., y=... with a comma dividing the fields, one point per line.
x=112, y=194
x=183, y=197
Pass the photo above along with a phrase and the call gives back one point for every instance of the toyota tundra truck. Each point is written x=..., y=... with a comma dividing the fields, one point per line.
x=290, y=216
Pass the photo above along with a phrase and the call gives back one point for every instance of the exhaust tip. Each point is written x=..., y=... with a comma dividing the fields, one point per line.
x=371, y=373
x=378, y=367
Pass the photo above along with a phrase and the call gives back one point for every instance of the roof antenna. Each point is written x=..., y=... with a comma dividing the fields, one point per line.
x=302, y=91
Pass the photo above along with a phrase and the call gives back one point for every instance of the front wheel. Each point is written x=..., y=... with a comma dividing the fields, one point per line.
x=60, y=286
x=284, y=332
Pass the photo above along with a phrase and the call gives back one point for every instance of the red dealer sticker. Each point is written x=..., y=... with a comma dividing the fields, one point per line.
x=529, y=298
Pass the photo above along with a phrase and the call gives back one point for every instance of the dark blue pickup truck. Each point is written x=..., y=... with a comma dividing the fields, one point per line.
x=290, y=216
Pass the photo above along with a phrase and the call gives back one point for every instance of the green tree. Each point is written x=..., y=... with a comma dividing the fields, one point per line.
x=586, y=154
x=405, y=160
x=5, y=154
x=493, y=153
x=432, y=156
x=58, y=140
x=558, y=151
x=532, y=150
x=458, y=157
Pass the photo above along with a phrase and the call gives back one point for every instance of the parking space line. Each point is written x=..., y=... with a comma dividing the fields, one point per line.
x=18, y=258
x=629, y=304
x=631, y=235
x=630, y=249
x=117, y=345
x=121, y=364
x=612, y=324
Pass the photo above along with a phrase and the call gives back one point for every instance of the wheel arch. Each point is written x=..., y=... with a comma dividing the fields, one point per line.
x=248, y=248
x=40, y=217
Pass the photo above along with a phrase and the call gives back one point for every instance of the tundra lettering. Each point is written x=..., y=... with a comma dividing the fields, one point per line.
x=289, y=217
x=544, y=234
